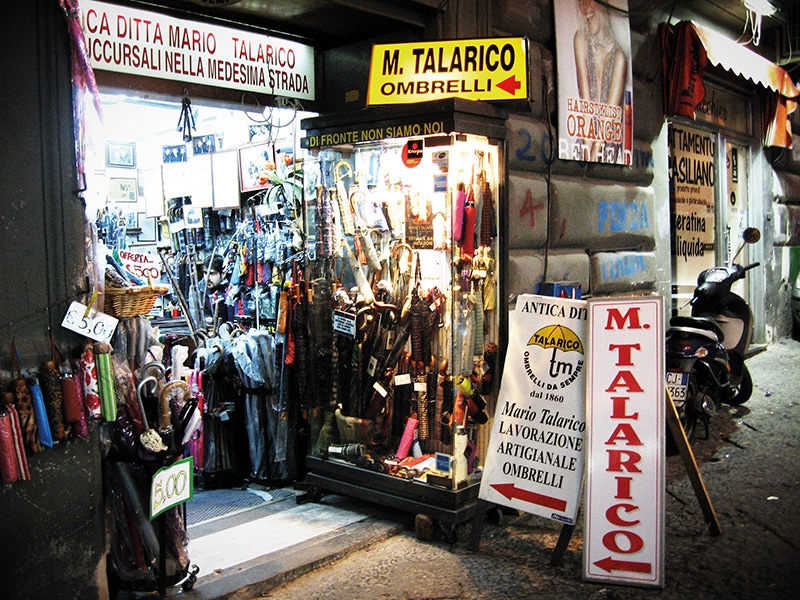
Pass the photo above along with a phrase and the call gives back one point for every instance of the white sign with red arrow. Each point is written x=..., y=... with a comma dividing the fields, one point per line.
x=625, y=411
x=534, y=460
x=473, y=69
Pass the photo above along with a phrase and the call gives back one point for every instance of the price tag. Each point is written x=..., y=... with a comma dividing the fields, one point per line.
x=171, y=486
x=99, y=327
x=344, y=323
x=141, y=264
x=372, y=365
x=402, y=379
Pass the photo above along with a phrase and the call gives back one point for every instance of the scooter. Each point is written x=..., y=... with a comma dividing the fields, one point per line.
x=705, y=351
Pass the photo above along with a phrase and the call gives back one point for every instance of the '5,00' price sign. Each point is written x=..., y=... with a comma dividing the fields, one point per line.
x=171, y=486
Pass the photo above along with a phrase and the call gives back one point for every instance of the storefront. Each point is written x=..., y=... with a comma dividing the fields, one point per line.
x=197, y=201
x=405, y=176
x=731, y=111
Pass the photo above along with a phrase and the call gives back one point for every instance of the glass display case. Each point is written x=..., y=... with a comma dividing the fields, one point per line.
x=404, y=227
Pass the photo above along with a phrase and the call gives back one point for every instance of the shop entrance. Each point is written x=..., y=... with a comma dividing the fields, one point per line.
x=189, y=194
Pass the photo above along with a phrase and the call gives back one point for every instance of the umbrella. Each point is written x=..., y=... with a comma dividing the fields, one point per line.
x=149, y=437
x=245, y=354
x=557, y=337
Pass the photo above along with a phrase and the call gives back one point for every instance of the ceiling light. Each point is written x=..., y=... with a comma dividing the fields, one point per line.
x=762, y=8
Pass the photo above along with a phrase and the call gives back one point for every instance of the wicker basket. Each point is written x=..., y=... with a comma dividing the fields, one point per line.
x=131, y=301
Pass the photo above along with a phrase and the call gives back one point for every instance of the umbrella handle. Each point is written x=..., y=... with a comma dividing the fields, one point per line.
x=140, y=391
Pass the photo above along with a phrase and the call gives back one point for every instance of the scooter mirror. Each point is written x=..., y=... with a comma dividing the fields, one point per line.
x=751, y=235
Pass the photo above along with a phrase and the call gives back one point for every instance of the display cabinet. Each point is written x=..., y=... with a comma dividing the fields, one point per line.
x=404, y=222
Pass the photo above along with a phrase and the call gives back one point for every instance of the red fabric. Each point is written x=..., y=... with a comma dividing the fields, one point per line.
x=468, y=238
x=683, y=59
x=72, y=402
x=23, y=472
x=8, y=459
x=79, y=428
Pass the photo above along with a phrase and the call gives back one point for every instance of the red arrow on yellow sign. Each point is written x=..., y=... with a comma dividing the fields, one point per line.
x=465, y=68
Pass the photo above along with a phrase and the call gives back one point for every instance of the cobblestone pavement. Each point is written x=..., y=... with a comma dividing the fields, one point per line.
x=750, y=466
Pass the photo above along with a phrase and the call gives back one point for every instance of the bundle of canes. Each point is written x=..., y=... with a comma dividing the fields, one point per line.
x=421, y=399
x=419, y=320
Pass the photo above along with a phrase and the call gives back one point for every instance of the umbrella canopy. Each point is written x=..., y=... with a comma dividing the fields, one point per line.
x=557, y=337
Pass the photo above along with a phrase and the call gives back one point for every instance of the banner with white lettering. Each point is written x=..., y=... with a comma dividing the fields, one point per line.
x=139, y=42
x=625, y=412
x=534, y=461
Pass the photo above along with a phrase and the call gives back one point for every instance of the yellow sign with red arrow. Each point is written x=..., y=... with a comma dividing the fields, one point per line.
x=473, y=69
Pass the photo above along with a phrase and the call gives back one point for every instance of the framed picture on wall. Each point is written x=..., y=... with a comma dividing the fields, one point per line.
x=121, y=154
x=225, y=179
x=204, y=144
x=147, y=226
x=173, y=154
x=122, y=189
x=255, y=163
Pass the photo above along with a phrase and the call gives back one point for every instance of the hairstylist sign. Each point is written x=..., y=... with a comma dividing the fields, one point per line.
x=595, y=85
x=127, y=40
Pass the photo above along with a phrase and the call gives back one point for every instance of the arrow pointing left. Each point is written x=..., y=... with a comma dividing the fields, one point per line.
x=510, y=491
x=609, y=564
x=510, y=85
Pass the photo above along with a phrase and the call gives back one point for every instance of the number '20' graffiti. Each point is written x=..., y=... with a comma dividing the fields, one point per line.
x=546, y=151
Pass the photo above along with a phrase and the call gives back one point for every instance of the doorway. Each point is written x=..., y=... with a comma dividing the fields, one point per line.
x=169, y=196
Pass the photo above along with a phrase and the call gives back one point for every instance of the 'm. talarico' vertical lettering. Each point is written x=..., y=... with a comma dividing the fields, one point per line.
x=619, y=460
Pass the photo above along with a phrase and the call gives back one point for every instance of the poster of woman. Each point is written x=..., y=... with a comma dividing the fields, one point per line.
x=595, y=111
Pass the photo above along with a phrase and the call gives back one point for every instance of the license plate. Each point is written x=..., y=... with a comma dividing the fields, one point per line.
x=677, y=384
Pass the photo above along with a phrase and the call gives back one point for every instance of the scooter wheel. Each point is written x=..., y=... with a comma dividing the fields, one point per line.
x=745, y=390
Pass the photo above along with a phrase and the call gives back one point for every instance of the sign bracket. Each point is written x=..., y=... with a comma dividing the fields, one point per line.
x=561, y=545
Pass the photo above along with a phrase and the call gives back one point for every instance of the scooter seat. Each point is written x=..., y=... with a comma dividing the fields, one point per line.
x=702, y=323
